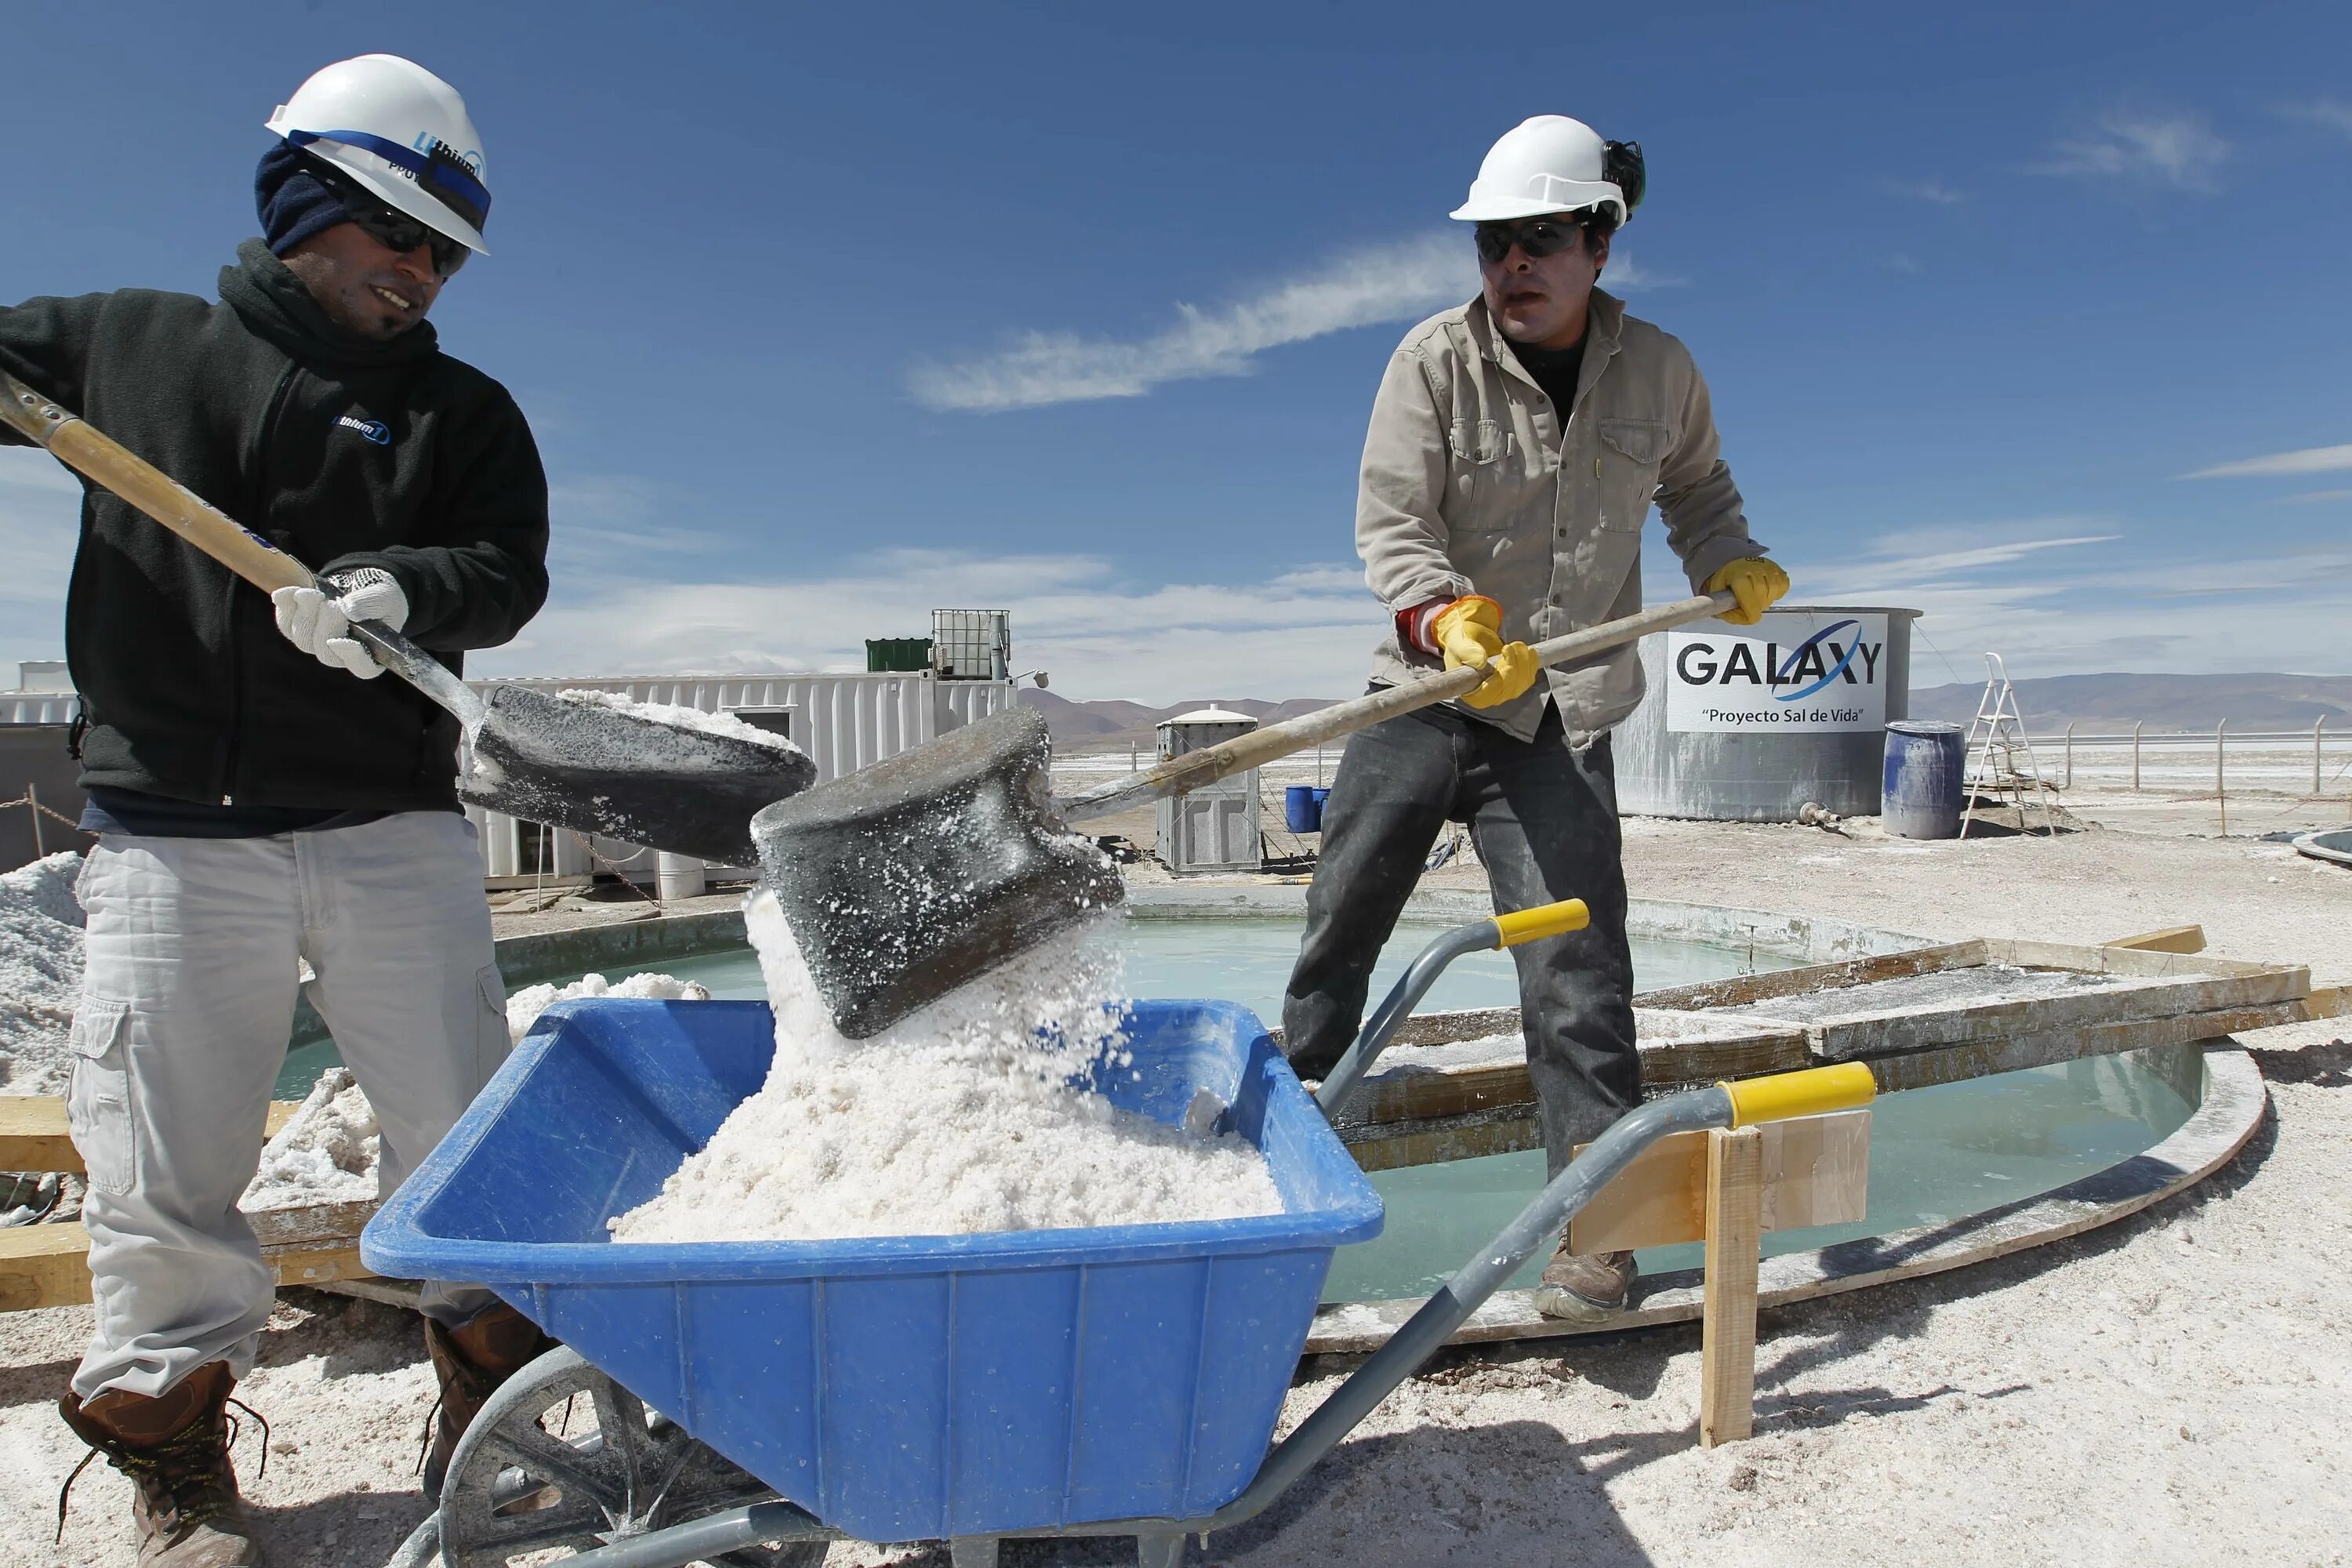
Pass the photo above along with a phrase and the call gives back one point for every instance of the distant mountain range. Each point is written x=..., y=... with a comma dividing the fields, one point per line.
x=2096, y=704
x=2111, y=704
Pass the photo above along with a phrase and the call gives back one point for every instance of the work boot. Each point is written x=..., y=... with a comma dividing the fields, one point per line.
x=471, y=1360
x=1588, y=1287
x=174, y=1448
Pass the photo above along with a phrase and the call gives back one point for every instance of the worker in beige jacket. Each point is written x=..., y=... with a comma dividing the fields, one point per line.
x=1516, y=446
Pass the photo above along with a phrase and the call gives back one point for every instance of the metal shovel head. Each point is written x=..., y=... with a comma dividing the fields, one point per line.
x=598, y=770
x=905, y=879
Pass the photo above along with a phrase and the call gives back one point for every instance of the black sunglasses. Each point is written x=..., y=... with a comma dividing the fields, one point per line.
x=394, y=229
x=1538, y=237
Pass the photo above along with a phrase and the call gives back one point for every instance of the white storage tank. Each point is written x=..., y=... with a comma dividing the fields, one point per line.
x=1749, y=723
x=1213, y=828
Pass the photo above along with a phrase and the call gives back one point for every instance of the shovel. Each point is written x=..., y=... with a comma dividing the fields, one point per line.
x=908, y=877
x=589, y=768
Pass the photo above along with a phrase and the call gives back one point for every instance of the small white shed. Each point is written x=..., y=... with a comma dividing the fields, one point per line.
x=1213, y=828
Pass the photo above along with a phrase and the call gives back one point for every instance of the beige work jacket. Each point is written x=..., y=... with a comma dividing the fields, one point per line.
x=1471, y=485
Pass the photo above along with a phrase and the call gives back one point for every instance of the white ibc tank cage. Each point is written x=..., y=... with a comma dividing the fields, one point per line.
x=1749, y=723
x=1213, y=828
x=843, y=721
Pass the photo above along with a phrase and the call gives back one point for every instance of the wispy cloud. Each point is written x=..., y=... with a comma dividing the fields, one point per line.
x=2317, y=495
x=1622, y=277
x=2308, y=460
x=1304, y=631
x=2176, y=150
x=2331, y=112
x=1929, y=190
x=1380, y=283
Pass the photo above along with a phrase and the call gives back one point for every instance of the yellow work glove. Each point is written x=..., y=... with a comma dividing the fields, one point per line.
x=1755, y=582
x=1469, y=631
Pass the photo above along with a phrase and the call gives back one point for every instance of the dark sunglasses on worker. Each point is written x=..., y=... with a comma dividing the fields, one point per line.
x=1538, y=237
x=396, y=229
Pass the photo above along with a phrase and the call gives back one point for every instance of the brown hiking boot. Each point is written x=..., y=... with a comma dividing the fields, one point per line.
x=1591, y=1288
x=174, y=1448
x=471, y=1360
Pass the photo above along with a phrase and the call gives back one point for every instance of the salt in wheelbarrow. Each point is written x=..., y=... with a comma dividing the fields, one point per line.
x=1113, y=1380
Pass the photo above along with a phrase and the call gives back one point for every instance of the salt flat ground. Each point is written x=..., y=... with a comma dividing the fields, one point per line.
x=2172, y=1389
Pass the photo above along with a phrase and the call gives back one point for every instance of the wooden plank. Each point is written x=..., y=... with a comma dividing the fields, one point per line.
x=43, y=1266
x=34, y=1135
x=1675, y=1047
x=1392, y=1145
x=1981, y=1058
x=1914, y=1029
x=1742, y=989
x=47, y=1264
x=1816, y=1172
x=1735, y=1189
x=2164, y=939
x=2111, y=960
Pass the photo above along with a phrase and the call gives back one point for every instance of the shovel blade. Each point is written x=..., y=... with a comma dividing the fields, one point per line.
x=598, y=770
x=905, y=879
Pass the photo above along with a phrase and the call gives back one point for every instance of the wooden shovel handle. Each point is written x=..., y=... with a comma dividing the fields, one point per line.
x=143, y=485
x=1210, y=763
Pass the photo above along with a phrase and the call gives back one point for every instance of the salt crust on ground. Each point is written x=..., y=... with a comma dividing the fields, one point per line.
x=2167, y=1391
x=684, y=718
x=40, y=973
x=956, y=1120
x=325, y=1154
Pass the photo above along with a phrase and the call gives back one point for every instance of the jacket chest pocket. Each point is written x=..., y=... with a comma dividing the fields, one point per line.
x=1487, y=478
x=1630, y=455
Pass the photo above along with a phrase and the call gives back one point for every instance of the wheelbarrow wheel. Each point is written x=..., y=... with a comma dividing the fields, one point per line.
x=561, y=1456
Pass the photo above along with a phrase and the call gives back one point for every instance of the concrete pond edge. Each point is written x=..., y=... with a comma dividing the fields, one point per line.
x=2226, y=1119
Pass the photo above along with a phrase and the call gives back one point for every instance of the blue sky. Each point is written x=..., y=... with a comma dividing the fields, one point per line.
x=826, y=315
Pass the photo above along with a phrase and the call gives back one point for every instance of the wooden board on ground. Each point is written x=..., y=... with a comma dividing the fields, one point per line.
x=1815, y=1170
x=34, y=1135
x=47, y=1264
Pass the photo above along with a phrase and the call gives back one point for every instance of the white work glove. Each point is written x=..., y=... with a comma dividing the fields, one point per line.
x=318, y=620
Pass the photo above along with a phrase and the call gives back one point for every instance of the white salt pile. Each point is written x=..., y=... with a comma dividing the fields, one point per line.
x=525, y=1005
x=40, y=973
x=326, y=1154
x=684, y=718
x=958, y=1118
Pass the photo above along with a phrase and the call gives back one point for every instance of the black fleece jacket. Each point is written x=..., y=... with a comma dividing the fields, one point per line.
x=342, y=451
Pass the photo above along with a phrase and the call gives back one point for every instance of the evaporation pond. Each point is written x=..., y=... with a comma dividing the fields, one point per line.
x=1248, y=959
x=1936, y=1155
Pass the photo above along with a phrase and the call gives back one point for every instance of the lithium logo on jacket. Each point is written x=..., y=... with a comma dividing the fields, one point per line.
x=375, y=430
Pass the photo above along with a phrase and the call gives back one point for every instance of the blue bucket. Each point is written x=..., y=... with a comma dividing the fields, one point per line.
x=1920, y=795
x=900, y=1388
x=1302, y=808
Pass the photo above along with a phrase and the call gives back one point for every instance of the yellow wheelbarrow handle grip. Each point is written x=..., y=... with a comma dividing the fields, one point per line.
x=1544, y=920
x=1809, y=1092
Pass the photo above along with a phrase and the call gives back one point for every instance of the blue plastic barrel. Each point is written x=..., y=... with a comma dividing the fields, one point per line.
x=1302, y=808
x=1322, y=803
x=1920, y=795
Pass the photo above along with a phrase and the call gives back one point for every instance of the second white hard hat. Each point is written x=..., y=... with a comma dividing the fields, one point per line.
x=1547, y=165
x=401, y=132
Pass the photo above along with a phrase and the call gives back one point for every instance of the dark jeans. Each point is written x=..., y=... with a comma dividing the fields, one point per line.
x=1544, y=818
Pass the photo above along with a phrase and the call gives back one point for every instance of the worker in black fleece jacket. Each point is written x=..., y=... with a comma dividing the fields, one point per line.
x=260, y=795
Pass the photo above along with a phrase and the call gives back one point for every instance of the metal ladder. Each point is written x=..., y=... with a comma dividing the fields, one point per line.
x=1996, y=737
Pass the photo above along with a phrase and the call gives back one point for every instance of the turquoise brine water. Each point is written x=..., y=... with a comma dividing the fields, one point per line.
x=1936, y=1155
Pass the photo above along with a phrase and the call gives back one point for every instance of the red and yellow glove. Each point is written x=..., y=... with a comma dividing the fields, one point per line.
x=1755, y=583
x=1469, y=631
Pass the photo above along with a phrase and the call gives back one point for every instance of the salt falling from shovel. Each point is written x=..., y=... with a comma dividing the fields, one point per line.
x=958, y=1118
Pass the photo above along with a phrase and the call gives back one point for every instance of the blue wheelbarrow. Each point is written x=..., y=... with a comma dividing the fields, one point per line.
x=743, y=1404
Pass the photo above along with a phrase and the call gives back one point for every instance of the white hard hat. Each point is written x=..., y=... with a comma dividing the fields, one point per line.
x=1547, y=165
x=401, y=132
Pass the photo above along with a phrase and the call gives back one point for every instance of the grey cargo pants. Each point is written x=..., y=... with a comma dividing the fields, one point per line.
x=1544, y=817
